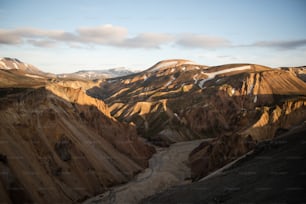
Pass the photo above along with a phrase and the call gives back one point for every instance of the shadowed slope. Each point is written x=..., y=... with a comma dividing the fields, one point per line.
x=274, y=173
x=62, y=146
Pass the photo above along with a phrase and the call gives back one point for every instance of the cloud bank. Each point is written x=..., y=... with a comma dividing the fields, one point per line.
x=202, y=41
x=286, y=44
x=117, y=36
x=102, y=35
x=106, y=35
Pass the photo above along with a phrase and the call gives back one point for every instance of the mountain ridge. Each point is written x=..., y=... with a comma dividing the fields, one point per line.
x=7, y=63
x=98, y=74
x=145, y=92
x=59, y=145
x=66, y=129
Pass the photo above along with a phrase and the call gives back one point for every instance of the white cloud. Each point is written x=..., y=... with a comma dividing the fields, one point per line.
x=101, y=35
x=202, y=41
x=284, y=44
x=106, y=34
x=117, y=36
x=7, y=37
x=147, y=40
x=20, y=35
x=42, y=43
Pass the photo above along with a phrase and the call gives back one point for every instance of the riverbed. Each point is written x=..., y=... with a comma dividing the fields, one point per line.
x=167, y=168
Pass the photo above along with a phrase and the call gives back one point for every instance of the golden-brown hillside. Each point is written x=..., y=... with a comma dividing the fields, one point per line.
x=59, y=145
x=65, y=140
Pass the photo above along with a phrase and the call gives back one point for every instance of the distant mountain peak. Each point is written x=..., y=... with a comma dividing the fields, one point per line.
x=98, y=74
x=7, y=63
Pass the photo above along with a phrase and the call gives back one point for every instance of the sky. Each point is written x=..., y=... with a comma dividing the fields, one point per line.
x=62, y=36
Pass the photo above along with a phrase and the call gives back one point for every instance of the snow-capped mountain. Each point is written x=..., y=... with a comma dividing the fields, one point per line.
x=98, y=74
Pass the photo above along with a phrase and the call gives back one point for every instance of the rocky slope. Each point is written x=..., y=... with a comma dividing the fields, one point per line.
x=298, y=71
x=273, y=173
x=173, y=100
x=281, y=108
x=22, y=68
x=59, y=145
x=238, y=104
x=58, y=130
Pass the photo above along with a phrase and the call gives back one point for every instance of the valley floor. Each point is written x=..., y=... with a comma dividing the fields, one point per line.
x=167, y=168
x=274, y=173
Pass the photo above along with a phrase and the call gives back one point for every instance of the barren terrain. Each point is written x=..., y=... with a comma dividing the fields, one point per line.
x=274, y=173
x=168, y=167
x=70, y=140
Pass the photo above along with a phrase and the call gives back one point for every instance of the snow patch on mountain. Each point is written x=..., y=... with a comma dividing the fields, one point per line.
x=98, y=74
x=15, y=64
x=212, y=75
x=201, y=83
x=195, y=78
x=255, y=99
x=171, y=80
x=145, y=77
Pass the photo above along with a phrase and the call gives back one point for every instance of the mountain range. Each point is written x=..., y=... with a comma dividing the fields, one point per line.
x=66, y=138
x=98, y=74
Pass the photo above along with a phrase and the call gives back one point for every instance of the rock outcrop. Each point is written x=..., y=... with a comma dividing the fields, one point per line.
x=280, y=105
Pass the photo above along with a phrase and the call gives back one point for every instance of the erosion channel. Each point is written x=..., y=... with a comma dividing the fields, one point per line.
x=168, y=167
